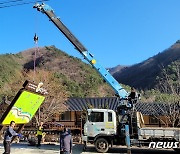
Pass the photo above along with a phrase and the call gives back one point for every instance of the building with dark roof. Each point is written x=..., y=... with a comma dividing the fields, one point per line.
x=153, y=114
x=81, y=104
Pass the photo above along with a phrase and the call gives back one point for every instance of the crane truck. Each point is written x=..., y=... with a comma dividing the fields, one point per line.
x=103, y=127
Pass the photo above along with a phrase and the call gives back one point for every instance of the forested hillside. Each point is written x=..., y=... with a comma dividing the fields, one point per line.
x=77, y=78
x=66, y=76
x=145, y=75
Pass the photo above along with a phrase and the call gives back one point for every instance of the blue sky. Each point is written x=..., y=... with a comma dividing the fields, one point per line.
x=115, y=31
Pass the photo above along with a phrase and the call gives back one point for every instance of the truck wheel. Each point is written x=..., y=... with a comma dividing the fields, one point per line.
x=101, y=145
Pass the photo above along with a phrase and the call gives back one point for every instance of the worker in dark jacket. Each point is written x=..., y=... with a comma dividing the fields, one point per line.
x=8, y=137
x=132, y=96
x=66, y=142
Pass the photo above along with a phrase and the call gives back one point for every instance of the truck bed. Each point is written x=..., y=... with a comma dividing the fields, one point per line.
x=159, y=132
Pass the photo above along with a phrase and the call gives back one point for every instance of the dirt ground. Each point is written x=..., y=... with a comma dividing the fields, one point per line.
x=47, y=148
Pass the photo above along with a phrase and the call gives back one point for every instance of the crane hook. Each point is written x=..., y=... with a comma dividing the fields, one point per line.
x=35, y=38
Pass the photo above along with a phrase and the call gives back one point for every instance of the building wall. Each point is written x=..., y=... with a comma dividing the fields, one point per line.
x=149, y=121
x=70, y=119
x=159, y=121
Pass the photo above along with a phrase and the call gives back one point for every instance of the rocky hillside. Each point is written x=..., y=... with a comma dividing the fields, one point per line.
x=144, y=75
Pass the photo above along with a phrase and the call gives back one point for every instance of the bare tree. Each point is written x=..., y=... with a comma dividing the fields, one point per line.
x=169, y=80
x=169, y=85
x=170, y=114
x=54, y=102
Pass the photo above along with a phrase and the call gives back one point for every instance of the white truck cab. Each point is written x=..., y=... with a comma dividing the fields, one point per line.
x=100, y=121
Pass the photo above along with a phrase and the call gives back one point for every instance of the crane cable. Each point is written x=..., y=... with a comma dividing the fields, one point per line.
x=36, y=38
x=36, y=23
x=35, y=54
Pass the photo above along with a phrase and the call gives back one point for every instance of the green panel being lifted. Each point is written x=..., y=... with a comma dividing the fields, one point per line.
x=24, y=108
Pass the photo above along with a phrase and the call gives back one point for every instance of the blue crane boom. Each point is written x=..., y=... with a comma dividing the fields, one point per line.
x=119, y=90
x=124, y=104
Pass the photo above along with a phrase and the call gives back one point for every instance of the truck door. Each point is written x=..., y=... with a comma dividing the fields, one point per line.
x=96, y=124
x=110, y=122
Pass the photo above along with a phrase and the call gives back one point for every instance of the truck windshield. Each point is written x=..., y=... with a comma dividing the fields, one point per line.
x=96, y=117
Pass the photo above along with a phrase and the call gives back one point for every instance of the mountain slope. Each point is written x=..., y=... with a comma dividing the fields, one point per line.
x=118, y=69
x=77, y=78
x=144, y=74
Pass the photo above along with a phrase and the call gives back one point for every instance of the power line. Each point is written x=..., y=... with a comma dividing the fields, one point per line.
x=12, y=1
x=11, y=5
